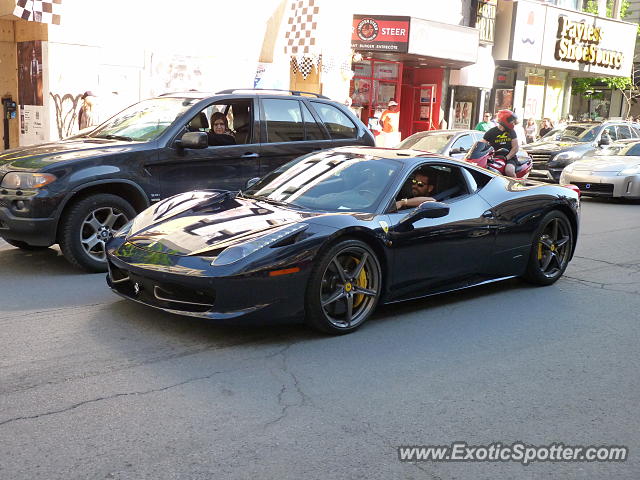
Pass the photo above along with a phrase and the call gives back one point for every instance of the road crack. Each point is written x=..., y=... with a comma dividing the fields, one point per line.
x=110, y=397
x=293, y=386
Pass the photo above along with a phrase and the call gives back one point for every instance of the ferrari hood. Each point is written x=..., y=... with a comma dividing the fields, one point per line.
x=34, y=158
x=613, y=163
x=200, y=222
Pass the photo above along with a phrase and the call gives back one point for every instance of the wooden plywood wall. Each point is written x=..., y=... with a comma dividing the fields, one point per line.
x=8, y=78
x=310, y=84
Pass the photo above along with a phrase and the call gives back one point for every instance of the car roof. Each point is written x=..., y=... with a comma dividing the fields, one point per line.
x=450, y=130
x=407, y=155
x=243, y=91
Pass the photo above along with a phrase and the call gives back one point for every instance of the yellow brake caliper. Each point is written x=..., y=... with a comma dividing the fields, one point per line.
x=361, y=281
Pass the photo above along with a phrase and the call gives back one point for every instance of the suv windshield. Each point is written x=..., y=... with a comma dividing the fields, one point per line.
x=329, y=181
x=145, y=120
x=434, y=142
x=574, y=133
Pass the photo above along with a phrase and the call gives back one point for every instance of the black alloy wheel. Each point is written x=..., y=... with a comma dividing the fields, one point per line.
x=87, y=227
x=344, y=288
x=550, y=250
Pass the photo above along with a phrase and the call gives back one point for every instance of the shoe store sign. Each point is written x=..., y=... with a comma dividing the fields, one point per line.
x=535, y=33
x=580, y=42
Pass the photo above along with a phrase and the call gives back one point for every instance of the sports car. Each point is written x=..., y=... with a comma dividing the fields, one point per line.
x=614, y=172
x=325, y=238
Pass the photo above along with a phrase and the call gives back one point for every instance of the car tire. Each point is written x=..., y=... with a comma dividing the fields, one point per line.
x=24, y=245
x=344, y=288
x=88, y=225
x=551, y=249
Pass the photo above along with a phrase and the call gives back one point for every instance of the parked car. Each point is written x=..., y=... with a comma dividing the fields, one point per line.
x=563, y=146
x=323, y=237
x=78, y=192
x=611, y=173
x=453, y=143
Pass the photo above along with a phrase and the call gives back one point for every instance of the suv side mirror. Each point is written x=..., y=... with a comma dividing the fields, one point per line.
x=194, y=140
x=426, y=210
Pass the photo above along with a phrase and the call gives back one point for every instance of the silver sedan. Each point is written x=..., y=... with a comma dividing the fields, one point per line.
x=614, y=175
x=454, y=143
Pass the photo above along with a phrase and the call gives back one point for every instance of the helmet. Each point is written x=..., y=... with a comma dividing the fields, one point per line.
x=507, y=119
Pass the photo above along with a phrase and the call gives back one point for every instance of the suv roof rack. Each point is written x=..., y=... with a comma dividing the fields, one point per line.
x=270, y=91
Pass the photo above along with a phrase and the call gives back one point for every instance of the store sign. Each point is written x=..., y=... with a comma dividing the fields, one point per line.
x=551, y=37
x=486, y=20
x=580, y=42
x=380, y=33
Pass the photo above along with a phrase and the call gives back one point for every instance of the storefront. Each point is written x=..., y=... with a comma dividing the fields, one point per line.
x=406, y=60
x=470, y=87
x=541, y=48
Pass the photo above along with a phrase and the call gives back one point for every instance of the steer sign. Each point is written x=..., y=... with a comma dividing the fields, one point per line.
x=380, y=33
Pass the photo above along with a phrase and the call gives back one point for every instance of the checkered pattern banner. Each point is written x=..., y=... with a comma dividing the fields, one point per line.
x=303, y=22
x=43, y=11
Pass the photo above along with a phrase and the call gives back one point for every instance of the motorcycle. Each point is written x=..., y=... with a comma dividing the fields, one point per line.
x=483, y=155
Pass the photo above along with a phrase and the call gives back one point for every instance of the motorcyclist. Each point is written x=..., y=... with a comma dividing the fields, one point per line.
x=504, y=136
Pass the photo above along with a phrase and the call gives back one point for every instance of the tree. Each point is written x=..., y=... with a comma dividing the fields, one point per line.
x=627, y=87
x=588, y=87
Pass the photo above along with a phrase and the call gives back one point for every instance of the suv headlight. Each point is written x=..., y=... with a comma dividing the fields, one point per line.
x=566, y=156
x=238, y=252
x=26, y=181
x=635, y=170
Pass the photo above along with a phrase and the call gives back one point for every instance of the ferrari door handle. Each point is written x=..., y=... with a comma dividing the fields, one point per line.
x=250, y=155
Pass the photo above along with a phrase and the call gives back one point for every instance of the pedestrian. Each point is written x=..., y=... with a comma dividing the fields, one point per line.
x=486, y=124
x=390, y=123
x=530, y=130
x=87, y=115
x=520, y=133
x=546, y=127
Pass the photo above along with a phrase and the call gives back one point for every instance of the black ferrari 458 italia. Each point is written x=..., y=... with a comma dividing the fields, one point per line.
x=325, y=237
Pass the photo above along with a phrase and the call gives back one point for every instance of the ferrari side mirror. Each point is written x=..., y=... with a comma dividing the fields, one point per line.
x=426, y=210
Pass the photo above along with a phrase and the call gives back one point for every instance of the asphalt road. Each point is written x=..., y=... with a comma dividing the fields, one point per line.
x=95, y=387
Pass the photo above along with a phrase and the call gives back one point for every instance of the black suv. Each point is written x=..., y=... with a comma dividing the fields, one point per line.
x=565, y=145
x=79, y=191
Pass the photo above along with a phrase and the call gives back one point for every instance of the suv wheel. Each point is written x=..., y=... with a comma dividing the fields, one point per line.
x=87, y=227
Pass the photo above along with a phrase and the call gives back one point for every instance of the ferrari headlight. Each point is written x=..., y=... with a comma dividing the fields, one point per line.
x=238, y=252
x=630, y=170
x=124, y=230
x=27, y=181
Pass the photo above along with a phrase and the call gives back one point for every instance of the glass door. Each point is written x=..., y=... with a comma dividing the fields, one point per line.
x=374, y=84
x=424, y=96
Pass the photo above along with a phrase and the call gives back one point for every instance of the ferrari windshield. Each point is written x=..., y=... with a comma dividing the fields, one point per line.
x=575, y=133
x=431, y=142
x=329, y=181
x=145, y=120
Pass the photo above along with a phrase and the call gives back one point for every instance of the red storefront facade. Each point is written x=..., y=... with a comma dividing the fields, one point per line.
x=402, y=59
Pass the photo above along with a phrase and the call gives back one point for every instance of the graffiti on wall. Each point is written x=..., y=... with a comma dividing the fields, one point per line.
x=66, y=113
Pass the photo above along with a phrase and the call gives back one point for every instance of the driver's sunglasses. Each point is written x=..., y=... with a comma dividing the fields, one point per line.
x=419, y=183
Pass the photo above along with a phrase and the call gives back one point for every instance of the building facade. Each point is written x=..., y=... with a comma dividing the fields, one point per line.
x=445, y=63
